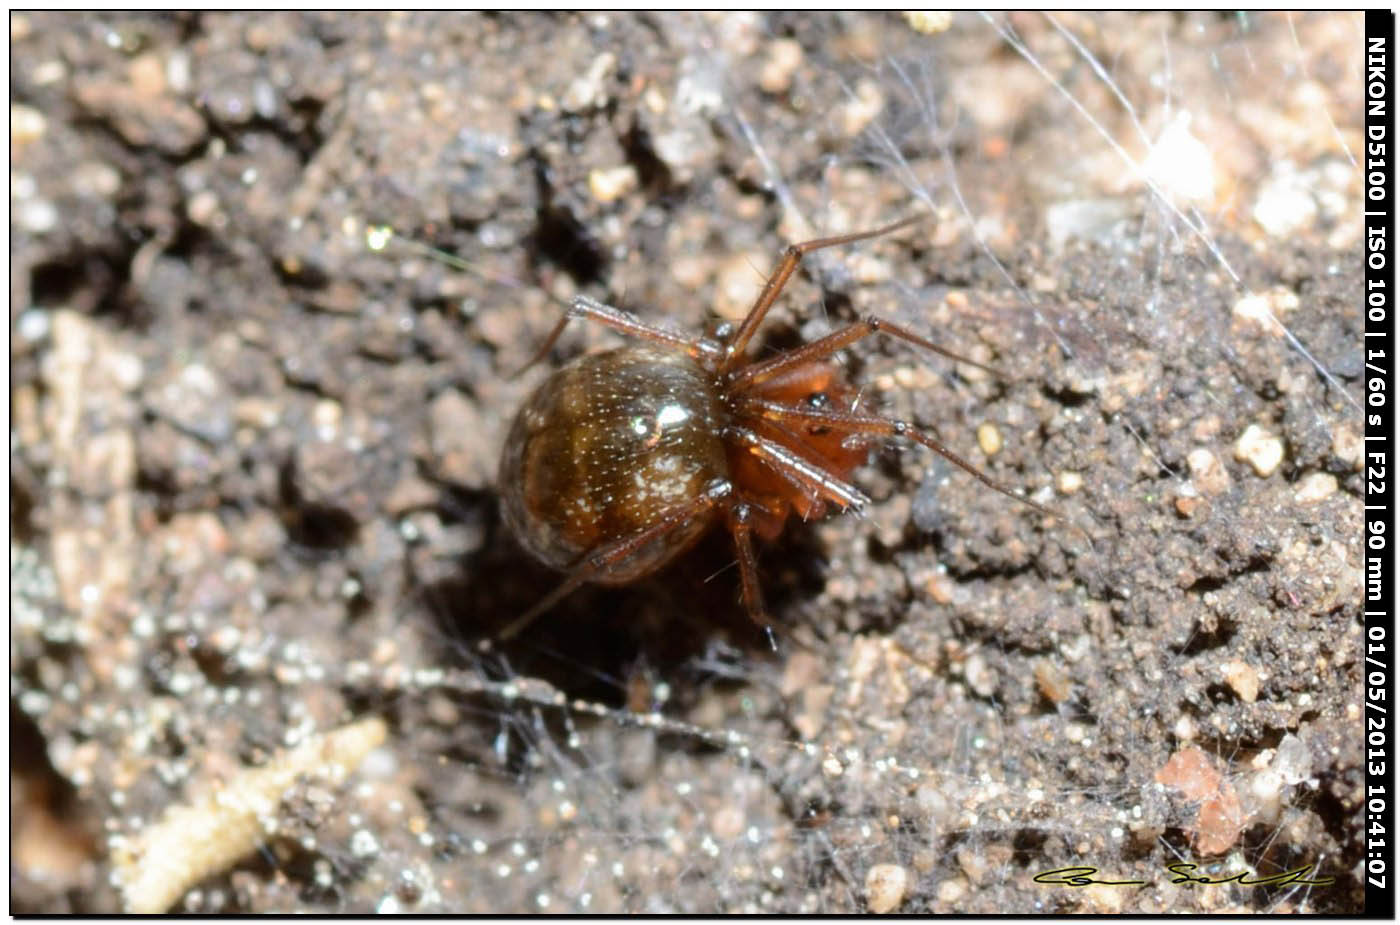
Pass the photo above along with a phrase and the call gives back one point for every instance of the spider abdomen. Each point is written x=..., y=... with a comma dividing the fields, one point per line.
x=604, y=446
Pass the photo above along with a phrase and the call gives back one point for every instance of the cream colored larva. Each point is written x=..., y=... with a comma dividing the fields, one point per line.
x=154, y=867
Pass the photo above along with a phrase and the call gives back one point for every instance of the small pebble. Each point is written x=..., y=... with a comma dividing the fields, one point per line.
x=1265, y=792
x=27, y=124
x=1188, y=503
x=940, y=588
x=868, y=269
x=855, y=115
x=1220, y=818
x=989, y=439
x=264, y=99
x=37, y=216
x=202, y=208
x=981, y=677
x=1292, y=760
x=1285, y=205
x=728, y=823
x=22, y=185
x=974, y=862
x=1052, y=681
x=1348, y=446
x=608, y=184
x=691, y=271
x=1180, y=164
x=194, y=399
x=885, y=885
x=326, y=416
x=94, y=178
x=1206, y=428
x=48, y=72
x=1261, y=449
x=178, y=72
x=1266, y=308
x=1220, y=821
x=1315, y=487
x=363, y=844
x=784, y=58
x=1207, y=474
x=590, y=90
x=1243, y=680
x=1192, y=772
x=1105, y=898
x=126, y=369
x=950, y=891
x=929, y=22
x=33, y=325
x=146, y=74
x=1067, y=482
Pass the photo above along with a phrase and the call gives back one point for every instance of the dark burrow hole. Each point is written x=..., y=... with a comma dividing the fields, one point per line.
x=652, y=173
x=312, y=525
x=22, y=504
x=319, y=527
x=561, y=239
x=92, y=282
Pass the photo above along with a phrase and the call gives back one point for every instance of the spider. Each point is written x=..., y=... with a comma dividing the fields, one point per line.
x=621, y=460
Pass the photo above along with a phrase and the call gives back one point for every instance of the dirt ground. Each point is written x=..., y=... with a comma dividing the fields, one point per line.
x=253, y=489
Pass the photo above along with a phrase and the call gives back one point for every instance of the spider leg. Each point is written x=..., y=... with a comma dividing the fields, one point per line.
x=598, y=560
x=848, y=422
x=755, y=373
x=741, y=527
x=792, y=257
x=547, y=346
x=799, y=470
x=627, y=323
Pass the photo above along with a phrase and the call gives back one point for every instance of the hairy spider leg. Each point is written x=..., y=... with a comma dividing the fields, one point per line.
x=627, y=323
x=847, y=422
x=792, y=257
x=755, y=373
x=798, y=470
x=597, y=561
x=740, y=518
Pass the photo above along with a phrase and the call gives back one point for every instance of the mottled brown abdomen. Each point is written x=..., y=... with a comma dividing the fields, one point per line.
x=604, y=447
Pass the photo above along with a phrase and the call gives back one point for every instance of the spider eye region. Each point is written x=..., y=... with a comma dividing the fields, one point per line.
x=818, y=400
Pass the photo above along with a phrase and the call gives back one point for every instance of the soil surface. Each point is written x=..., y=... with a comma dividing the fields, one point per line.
x=253, y=462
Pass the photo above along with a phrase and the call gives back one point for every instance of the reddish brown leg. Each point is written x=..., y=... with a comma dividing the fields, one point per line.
x=847, y=422
x=619, y=320
x=792, y=257
x=798, y=470
x=741, y=526
x=597, y=561
x=547, y=346
x=755, y=373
